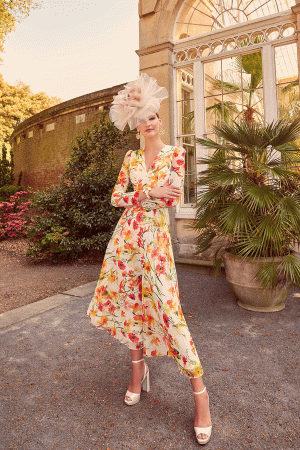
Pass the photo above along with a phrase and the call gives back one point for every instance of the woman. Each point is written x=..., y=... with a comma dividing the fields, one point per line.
x=136, y=299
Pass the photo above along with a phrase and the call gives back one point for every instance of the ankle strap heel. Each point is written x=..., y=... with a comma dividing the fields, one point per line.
x=132, y=398
x=198, y=393
x=202, y=431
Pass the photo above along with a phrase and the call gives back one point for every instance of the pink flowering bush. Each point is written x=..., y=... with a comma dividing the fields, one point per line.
x=14, y=216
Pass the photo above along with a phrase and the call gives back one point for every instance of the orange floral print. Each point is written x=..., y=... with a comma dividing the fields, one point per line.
x=136, y=299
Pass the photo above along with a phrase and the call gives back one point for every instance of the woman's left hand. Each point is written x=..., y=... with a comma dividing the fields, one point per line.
x=168, y=190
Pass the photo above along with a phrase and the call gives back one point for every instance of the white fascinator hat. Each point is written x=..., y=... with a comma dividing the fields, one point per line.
x=136, y=102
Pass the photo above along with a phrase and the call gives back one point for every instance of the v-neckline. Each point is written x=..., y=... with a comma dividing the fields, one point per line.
x=151, y=165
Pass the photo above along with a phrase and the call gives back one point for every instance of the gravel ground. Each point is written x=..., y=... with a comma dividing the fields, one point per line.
x=23, y=281
x=63, y=381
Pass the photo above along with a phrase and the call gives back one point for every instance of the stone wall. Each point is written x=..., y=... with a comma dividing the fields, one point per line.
x=41, y=144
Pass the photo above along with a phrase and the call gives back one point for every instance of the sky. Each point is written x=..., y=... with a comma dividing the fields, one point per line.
x=69, y=48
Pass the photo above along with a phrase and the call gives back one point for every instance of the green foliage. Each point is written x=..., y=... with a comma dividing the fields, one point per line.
x=18, y=103
x=6, y=168
x=250, y=195
x=12, y=11
x=248, y=65
x=9, y=190
x=76, y=216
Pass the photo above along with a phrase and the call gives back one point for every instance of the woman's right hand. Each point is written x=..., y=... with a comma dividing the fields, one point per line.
x=166, y=191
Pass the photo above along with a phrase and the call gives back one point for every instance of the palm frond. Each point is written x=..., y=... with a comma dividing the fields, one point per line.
x=266, y=240
x=243, y=136
x=289, y=210
x=281, y=133
x=267, y=275
x=204, y=240
x=225, y=177
x=219, y=160
x=250, y=193
x=290, y=86
x=259, y=197
x=289, y=269
x=217, y=266
x=235, y=219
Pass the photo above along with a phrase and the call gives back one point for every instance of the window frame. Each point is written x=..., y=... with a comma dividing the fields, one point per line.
x=269, y=73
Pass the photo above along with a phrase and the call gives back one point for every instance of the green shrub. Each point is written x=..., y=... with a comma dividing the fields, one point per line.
x=6, y=167
x=9, y=190
x=76, y=216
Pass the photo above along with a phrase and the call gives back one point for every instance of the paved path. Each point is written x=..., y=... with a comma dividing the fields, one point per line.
x=63, y=381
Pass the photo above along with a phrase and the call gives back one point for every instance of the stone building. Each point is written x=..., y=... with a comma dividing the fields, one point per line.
x=196, y=49
x=41, y=144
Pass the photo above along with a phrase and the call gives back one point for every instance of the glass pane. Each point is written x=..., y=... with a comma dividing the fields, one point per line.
x=288, y=100
x=231, y=74
x=190, y=182
x=214, y=112
x=186, y=115
x=200, y=16
x=185, y=97
x=213, y=137
x=213, y=78
x=287, y=81
x=240, y=85
x=251, y=69
x=257, y=105
x=232, y=106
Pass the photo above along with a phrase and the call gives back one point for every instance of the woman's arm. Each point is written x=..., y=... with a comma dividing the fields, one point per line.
x=119, y=195
x=176, y=179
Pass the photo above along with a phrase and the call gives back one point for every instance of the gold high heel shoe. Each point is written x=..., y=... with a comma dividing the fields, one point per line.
x=135, y=398
x=201, y=430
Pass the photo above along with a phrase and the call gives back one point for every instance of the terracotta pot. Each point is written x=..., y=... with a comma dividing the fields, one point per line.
x=240, y=272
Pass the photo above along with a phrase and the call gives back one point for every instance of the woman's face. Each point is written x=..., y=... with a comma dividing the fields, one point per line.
x=150, y=127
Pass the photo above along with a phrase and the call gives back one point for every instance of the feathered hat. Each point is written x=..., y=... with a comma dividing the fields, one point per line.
x=136, y=102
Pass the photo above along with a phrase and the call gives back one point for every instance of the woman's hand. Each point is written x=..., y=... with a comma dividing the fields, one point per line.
x=166, y=191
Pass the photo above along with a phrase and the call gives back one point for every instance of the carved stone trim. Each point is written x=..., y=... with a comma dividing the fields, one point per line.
x=155, y=48
x=236, y=39
x=148, y=7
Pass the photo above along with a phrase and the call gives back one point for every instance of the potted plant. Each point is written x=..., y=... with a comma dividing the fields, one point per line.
x=250, y=200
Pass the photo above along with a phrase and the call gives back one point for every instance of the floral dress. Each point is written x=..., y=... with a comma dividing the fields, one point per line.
x=136, y=299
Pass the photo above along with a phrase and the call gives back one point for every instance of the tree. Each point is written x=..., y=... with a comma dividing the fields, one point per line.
x=17, y=103
x=76, y=216
x=6, y=168
x=12, y=11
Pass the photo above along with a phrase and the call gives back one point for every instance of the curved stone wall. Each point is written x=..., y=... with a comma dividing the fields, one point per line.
x=41, y=144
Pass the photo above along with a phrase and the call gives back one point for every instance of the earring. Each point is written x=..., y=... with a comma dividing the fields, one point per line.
x=138, y=135
x=161, y=131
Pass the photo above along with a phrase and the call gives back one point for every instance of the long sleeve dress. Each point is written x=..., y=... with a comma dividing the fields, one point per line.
x=137, y=299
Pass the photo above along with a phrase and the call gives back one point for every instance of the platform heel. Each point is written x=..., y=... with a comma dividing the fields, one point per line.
x=135, y=398
x=202, y=430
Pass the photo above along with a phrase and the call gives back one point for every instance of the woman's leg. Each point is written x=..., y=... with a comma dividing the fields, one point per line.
x=202, y=413
x=137, y=372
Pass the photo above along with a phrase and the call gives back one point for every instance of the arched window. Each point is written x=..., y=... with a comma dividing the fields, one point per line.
x=233, y=60
x=197, y=17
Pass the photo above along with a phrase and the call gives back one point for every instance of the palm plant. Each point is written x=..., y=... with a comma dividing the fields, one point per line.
x=250, y=67
x=288, y=100
x=250, y=195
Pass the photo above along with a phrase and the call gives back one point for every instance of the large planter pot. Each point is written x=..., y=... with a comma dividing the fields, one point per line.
x=240, y=272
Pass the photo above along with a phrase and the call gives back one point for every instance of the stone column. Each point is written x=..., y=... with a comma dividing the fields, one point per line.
x=157, y=19
x=156, y=61
x=296, y=11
